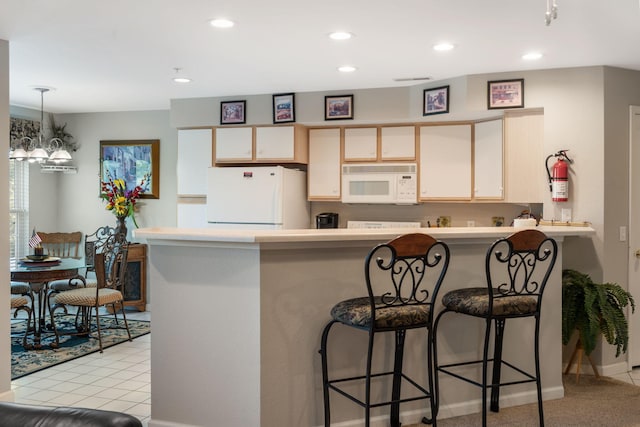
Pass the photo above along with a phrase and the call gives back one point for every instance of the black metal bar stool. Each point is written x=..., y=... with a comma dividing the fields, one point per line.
x=517, y=270
x=403, y=277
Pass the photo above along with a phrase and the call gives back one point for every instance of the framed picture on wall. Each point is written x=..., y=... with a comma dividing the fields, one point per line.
x=233, y=112
x=338, y=107
x=435, y=101
x=284, y=108
x=505, y=94
x=131, y=161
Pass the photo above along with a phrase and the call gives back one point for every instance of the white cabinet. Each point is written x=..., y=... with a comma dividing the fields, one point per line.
x=323, y=174
x=281, y=144
x=445, y=162
x=194, y=157
x=261, y=144
x=488, y=160
x=526, y=180
x=360, y=144
x=398, y=142
x=234, y=144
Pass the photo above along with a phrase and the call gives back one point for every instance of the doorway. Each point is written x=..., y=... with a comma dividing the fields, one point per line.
x=634, y=233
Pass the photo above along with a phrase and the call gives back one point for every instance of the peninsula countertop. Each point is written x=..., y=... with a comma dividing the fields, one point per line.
x=340, y=234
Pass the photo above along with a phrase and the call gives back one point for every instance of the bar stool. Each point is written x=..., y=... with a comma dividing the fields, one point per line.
x=403, y=277
x=517, y=270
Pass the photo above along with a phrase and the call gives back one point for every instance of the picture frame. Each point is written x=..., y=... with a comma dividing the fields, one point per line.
x=505, y=94
x=233, y=112
x=338, y=107
x=435, y=101
x=284, y=110
x=131, y=160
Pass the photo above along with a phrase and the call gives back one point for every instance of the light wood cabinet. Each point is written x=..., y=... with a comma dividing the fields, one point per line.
x=361, y=144
x=194, y=157
x=234, y=144
x=526, y=180
x=488, y=160
x=445, y=162
x=262, y=144
x=323, y=173
x=398, y=143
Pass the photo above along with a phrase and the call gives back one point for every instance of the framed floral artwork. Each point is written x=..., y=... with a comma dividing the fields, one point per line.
x=233, y=112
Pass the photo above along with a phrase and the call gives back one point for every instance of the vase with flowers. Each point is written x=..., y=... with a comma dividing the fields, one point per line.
x=121, y=201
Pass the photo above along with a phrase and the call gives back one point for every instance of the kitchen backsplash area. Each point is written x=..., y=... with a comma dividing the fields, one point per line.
x=430, y=214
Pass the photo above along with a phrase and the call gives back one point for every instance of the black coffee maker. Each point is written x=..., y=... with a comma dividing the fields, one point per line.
x=327, y=220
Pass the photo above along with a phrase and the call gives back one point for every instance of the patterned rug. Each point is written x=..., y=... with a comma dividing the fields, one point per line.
x=25, y=362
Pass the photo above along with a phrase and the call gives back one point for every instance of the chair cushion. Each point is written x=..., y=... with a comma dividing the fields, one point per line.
x=20, y=288
x=19, y=302
x=86, y=297
x=357, y=312
x=63, y=285
x=475, y=301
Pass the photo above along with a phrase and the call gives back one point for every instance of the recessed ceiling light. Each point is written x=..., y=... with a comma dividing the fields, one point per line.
x=221, y=23
x=340, y=35
x=442, y=47
x=532, y=56
x=182, y=80
x=347, y=69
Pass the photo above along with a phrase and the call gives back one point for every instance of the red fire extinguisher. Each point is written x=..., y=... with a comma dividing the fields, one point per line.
x=559, y=176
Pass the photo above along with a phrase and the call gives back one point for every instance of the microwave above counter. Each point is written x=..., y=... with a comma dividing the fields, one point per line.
x=384, y=183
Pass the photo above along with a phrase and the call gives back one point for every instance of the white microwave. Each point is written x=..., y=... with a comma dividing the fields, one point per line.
x=393, y=183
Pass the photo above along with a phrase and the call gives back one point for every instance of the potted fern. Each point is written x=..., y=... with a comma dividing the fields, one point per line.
x=593, y=309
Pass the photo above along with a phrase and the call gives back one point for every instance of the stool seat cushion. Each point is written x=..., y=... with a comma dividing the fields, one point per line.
x=475, y=301
x=357, y=312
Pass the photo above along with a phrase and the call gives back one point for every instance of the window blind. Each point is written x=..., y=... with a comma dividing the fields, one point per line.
x=18, y=209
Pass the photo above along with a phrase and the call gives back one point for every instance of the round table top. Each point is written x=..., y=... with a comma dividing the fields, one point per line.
x=40, y=271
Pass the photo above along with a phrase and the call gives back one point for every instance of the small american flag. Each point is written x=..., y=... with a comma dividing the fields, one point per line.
x=34, y=240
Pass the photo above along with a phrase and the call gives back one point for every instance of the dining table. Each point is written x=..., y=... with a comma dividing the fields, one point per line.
x=38, y=273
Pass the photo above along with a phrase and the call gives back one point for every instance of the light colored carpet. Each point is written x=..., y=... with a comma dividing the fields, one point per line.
x=592, y=402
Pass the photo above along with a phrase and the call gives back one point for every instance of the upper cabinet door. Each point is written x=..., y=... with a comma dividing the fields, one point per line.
x=488, y=160
x=398, y=143
x=324, y=164
x=274, y=143
x=234, y=144
x=361, y=144
x=445, y=162
x=194, y=158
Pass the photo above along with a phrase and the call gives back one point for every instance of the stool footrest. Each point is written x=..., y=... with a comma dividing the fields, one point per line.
x=425, y=393
x=444, y=369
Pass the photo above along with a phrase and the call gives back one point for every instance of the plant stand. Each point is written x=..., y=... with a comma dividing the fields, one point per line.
x=579, y=351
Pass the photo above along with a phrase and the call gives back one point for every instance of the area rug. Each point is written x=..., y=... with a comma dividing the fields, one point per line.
x=25, y=362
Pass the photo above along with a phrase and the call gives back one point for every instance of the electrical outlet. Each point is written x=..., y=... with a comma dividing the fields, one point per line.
x=623, y=233
x=471, y=223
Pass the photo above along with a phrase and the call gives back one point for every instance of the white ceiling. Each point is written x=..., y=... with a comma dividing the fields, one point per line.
x=120, y=55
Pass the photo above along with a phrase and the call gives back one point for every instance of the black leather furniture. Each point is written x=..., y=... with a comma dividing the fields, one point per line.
x=20, y=415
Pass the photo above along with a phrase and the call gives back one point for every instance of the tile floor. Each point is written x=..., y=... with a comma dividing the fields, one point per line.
x=118, y=379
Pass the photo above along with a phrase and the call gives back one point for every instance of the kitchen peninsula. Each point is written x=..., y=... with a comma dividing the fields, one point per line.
x=237, y=318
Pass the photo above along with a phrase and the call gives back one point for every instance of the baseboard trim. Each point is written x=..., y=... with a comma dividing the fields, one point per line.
x=459, y=409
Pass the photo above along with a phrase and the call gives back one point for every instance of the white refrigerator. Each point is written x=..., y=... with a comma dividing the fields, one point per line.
x=258, y=197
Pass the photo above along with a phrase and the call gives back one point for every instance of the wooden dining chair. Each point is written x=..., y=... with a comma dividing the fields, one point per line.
x=63, y=245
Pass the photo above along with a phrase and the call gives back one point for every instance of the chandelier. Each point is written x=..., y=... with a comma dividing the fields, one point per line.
x=552, y=11
x=37, y=150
